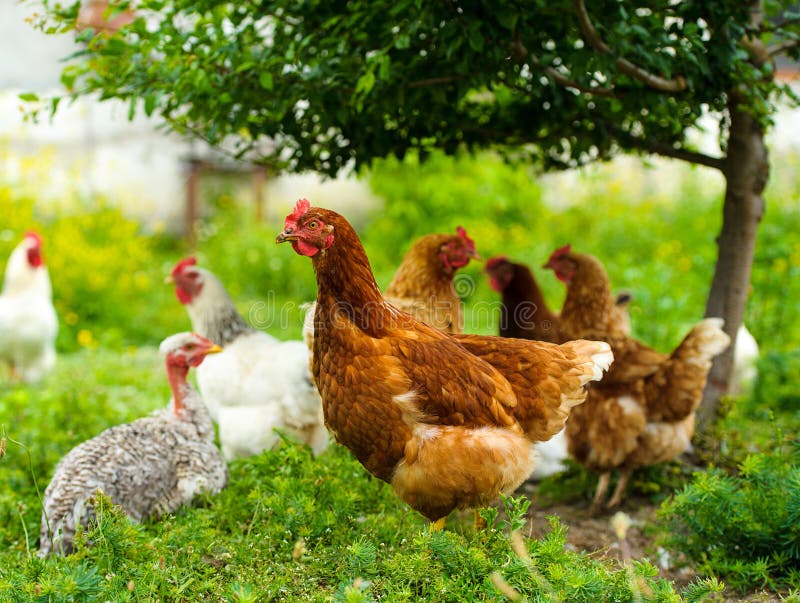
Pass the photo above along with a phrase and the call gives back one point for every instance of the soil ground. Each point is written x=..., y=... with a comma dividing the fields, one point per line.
x=595, y=535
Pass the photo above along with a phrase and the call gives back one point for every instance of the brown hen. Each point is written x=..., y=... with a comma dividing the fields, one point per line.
x=643, y=410
x=446, y=421
x=423, y=284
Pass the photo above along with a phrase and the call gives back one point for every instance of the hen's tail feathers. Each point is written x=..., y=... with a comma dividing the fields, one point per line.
x=589, y=360
x=584, y=361
x=705, y=341
x=676, y=389
x=597, y=357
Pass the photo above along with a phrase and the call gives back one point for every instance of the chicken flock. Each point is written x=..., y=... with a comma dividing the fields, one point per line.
x=449, y=420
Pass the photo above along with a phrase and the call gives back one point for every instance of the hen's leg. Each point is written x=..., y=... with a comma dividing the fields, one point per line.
x=480, y=522
x=438, y=525
x=619, y=491
x=600, y=493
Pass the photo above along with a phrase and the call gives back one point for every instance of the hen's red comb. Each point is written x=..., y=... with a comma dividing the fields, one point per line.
x=494, y=262
x=463, y=234
x=32, y=234
x=561, y=251
x=179, y=267
x=300, y=208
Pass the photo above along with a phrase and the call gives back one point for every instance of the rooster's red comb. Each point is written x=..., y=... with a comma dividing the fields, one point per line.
x=300, y=208
x=461, y=232
x=185, y=262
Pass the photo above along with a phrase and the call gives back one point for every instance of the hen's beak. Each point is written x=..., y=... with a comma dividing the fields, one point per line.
x=214, y=349
x=475, y=256
x=169, y=280
x=286, y=235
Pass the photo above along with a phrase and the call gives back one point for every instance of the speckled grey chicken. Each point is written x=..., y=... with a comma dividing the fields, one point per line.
x=149, y=467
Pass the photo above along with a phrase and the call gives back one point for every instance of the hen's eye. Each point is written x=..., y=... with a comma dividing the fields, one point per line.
x=313, y=225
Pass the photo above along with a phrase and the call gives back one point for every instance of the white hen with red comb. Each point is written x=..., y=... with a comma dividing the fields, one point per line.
x=258, y=383
x=28, y=322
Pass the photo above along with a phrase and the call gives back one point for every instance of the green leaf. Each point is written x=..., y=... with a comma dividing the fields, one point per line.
x=384, y=67
x=28, y=97
x=265, y=79
x=366, y=83
x=402, y=42
x=475, y=37
x=150, y=102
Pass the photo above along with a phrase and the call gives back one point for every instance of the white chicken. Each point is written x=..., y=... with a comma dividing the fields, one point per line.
x=258, y=383
x=552, y=456
x=149, y=467
x=745, y=362
x=28, y=322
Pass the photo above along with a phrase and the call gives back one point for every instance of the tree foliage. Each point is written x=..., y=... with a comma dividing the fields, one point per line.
x=321, y=84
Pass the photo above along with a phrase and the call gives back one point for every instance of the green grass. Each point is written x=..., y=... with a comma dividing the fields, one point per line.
x=288, y=526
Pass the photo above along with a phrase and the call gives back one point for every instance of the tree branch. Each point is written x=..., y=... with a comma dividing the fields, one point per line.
x=432, y=81
x=769, y=27
x=521, y=53
x=665, y=149
x=562, y=80
x=625, y=66
x=776, y=49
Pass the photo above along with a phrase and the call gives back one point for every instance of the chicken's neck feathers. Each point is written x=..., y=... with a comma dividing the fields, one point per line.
x=346, y=285
x=422, y=271
x=21, y=278
x=589, y=302
x=214, y=315
x=523, y=288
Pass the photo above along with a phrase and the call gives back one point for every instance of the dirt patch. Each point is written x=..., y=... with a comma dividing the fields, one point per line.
x=595, y=535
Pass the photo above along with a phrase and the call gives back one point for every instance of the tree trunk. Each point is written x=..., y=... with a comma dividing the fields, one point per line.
x=746, y=173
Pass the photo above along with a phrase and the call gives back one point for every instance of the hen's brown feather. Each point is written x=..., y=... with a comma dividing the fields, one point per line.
x=548, y=379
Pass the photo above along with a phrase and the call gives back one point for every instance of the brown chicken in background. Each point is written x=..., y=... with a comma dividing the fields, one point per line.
x=423, y=284
x=448, y=422
x=643, y=411
x=525, y=313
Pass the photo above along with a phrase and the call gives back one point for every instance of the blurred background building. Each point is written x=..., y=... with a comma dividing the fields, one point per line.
x=93, y=149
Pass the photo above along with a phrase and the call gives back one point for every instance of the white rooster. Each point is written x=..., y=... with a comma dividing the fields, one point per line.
x=258, y=383
x=28, y=322
x=149, y=467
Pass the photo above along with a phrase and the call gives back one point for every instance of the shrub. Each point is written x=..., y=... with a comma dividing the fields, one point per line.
x=106, y=273
x=746, y=527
